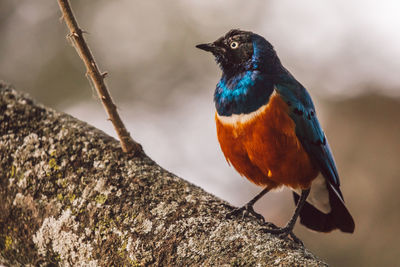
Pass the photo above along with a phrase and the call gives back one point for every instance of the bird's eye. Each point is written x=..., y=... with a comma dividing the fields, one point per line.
x=234, y=45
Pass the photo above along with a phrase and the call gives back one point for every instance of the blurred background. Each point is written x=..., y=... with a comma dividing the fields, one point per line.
x=347, y=53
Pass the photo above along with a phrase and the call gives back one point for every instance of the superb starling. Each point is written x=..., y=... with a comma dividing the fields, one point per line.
x=269, y=132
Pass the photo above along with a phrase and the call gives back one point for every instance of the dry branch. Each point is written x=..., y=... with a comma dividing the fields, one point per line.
x=76, y=34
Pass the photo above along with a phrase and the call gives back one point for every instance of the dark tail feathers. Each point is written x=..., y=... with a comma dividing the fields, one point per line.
x=338, y=218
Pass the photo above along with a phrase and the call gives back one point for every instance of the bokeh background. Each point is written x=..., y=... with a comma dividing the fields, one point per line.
x=347, y=53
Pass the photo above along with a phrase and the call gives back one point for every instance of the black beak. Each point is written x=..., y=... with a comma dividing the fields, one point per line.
x=207, y=47
x=211, y=47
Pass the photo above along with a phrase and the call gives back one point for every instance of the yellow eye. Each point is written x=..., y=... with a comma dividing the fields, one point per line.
x=234, y=45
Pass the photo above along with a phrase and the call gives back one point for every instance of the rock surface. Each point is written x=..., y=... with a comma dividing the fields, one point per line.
x=69, y=196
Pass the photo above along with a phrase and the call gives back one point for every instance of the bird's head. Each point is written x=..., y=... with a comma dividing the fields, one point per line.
x=242, y=50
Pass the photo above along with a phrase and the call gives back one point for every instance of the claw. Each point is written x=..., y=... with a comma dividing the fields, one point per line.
x=270, y=225
x=296, y=239
x=284, y=233
x=246, y=210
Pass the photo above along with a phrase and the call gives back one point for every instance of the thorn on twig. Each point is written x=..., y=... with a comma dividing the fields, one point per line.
x=93, y=74
x=72, y=34
x=104, y=74
x=70, y=39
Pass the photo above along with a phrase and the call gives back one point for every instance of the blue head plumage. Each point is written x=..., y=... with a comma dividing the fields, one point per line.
x=249, y=64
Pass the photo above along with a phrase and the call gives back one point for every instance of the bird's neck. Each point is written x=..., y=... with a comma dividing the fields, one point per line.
x=242, y=93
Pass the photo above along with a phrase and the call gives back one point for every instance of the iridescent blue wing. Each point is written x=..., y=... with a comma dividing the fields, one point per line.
x=308, y=129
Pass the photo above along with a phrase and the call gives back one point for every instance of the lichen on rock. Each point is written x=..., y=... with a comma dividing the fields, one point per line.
x=69, y=196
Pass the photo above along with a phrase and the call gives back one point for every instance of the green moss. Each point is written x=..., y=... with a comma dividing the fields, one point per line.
x=12, y=172
x=57, y=258
x=53, y=164
x=134, y=263
x=122, y=250
x=60, y=197
x=101, y=199
x=8, y=242
x=71, y=197
x=122, y=253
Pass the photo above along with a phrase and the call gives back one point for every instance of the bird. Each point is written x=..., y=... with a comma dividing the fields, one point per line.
x=268, y=130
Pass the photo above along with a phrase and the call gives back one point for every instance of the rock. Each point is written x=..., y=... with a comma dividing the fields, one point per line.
x=69, y=196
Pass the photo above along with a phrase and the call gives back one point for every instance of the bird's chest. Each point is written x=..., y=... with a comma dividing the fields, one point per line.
x=269, y=128
x=264, y=139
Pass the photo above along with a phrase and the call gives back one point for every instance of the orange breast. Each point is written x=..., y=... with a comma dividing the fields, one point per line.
x=264, y=148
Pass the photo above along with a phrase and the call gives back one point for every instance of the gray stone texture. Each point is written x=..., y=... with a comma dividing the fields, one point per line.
x=69, y=196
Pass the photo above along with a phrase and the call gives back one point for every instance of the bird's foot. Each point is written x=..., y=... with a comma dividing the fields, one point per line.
x=246, y=210
x=284, y=232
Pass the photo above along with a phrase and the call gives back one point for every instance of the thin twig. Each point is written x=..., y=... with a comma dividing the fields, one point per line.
x=76, y=34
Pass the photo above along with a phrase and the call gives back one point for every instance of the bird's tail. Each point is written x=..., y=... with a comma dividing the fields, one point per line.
x=338, y=217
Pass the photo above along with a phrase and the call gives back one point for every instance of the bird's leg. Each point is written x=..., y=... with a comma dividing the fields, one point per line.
x=247, y=209
x=288, y=229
